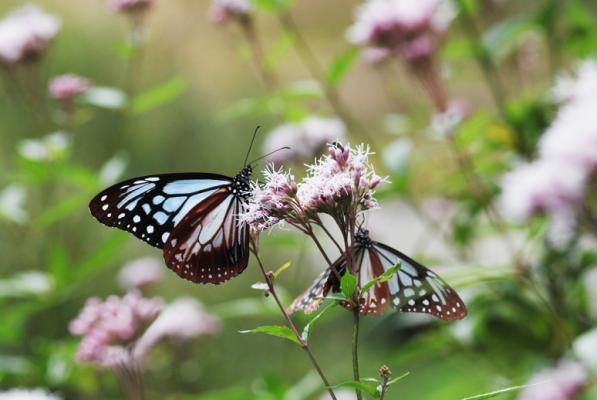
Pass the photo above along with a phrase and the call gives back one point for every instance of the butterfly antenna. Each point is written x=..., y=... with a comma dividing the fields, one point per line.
x=270, y=153
x=251, y=145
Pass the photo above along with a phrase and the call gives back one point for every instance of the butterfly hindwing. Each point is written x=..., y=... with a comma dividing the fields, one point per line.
x=416, y=288
x=150, y=207
x=209, y=245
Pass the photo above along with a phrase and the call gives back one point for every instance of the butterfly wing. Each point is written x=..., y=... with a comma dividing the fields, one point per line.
x=150, y=207
x=210, y=245
x=414, y=288
x=310, y=300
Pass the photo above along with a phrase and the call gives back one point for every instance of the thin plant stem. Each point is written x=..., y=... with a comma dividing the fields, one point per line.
x=272, y=290
x=317, y=72
x=355, y=349
x=259, y=59
x=384, y=388
x=490, y=72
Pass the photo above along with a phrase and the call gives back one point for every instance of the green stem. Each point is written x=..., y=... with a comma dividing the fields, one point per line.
x=355, y=349
x=272, y=290
x=490, y=72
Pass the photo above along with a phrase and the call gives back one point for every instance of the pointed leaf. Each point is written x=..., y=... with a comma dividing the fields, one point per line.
x=369, y=389
x=159, y=95
x=496, y=393
x=275, y=330
x=311, y=324
x=341, y=65
x=348, y=284
x=260, y=286
x=396, y=379
x=386, y=276
x=281, y=269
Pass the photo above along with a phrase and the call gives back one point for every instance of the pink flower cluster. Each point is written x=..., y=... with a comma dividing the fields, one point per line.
x=108, y=327
x=128, y=6
x=411, y=29
x=557, y=182
x=340, y=183
x=183, y=319
x=564, y=382
x=26, y=33
x=66, y=87
x=222, y=11
x=305, y=139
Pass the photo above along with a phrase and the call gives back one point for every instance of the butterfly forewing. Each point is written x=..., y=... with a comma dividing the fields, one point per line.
x=150, y=207
x=209, y=245
x=416, y=288
x=311, y=299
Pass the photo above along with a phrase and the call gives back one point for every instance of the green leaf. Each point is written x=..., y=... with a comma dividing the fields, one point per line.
x=392, y=381
x=386, y=276
x=341, y=65
x=371, y=390
x=158, y=96
x=505, y=37
x=348, y=284
x=336, y=297
x=281, y=269
x=273, y=5
x=275, y=330
x=61, y=210
x=279, y=50
x=311, y=324
x=496, y=393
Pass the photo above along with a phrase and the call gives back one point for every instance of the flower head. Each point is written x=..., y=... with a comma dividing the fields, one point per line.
x=25, y=34
x=183, y=319
x=222, y=11
x=49, y=148
x=108, y=326
x=66, y=87
x=580, y=85
x=411, y=29
x=141, y=273
x=28, y=394
x=305, y=139
x=130, y=6
x=340, y=183
x=12, y=203
x=563, y=382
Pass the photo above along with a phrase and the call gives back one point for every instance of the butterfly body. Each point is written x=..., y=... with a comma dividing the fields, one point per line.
x=191, y=216
x=413, y=288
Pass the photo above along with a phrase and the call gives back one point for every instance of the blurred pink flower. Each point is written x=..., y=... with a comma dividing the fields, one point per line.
x=444, y=123
x=541, y=187
x=305, y=139
x=409, y=28
x=107, y=327
x=25, y=34
x=28, y=394
x=66, y=87
x=563, y=382
x=572, y=137
x=141, y=273
x=580, y=85
x=128, y=6
x=183, y=319
x=375, y=55
x=222, y=11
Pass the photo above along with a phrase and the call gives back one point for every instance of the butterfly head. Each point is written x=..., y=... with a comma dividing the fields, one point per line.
x=362, y=238
x=241, y=183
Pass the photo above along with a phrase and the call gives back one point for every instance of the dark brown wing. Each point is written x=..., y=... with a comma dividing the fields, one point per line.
x=210, y=245
x=415, y=288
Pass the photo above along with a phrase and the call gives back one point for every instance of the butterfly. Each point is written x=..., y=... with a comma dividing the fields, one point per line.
x=413, y=288
x=191, y=216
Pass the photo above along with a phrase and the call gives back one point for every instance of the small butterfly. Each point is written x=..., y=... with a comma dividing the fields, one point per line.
x=414, y=288
x=191, y=216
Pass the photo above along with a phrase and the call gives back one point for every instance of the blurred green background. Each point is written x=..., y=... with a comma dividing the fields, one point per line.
x=198, y=76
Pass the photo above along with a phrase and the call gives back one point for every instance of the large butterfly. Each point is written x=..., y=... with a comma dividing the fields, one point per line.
x=414, y=288
x=191, y=216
